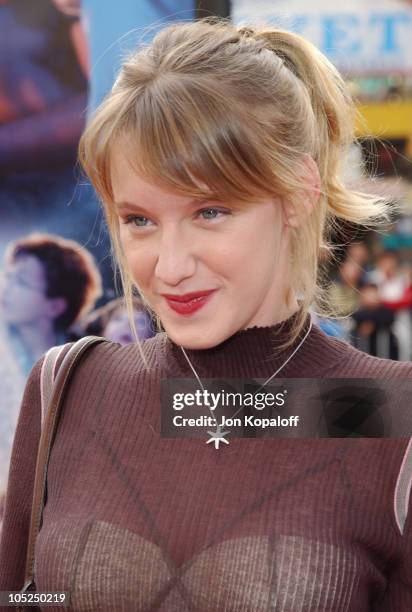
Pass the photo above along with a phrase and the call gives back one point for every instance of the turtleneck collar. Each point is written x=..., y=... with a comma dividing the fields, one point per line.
x=252, y=353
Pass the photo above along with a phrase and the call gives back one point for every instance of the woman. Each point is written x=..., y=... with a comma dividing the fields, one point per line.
x=216, y=156
x=49, y=284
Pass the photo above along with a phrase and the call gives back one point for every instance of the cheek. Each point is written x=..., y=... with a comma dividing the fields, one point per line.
x=140, y=258
x=38, y=304
x=142, y=263
x=24, y=306
x=22, y=300
x=249, y=255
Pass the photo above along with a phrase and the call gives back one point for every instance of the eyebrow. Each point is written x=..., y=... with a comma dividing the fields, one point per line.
x=191, y=203
x=121, y=205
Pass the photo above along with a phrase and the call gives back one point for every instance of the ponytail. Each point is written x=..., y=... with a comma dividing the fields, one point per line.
x=335, y=114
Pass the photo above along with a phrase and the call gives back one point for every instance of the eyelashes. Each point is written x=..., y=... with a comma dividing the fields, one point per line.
x=210, y=213
x=133, y=218
x=212, y=209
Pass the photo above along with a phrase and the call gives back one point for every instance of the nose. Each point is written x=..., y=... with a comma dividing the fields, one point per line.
x=175, y=258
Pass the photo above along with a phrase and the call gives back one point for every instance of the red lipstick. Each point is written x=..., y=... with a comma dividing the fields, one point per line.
x=189, y=302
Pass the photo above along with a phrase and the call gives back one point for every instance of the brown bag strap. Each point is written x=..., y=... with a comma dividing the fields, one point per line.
x=52, y=392
x=47, y=376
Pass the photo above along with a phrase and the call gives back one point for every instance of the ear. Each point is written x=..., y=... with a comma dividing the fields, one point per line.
x=56, y=306
x=307, y=197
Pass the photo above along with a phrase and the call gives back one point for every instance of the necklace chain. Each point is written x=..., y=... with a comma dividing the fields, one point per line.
x=218, y=435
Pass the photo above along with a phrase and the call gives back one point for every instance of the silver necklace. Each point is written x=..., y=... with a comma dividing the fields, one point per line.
x=218, y=435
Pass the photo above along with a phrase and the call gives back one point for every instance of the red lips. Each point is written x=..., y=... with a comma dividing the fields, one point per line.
x=189, y=302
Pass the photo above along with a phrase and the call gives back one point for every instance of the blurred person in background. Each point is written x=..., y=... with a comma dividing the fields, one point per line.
x=48, y=284
x=43, y=90
x=358, y=253
x=344, y=290
x=391, y=279
x=373, y=325
x=43, y=97
x=395, y=291
x=112, y=322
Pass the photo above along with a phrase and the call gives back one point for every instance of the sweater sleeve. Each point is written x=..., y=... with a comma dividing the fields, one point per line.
x=15, y=528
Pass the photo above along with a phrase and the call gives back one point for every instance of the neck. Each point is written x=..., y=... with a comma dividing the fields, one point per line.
x=253, y=352
x=284, y=313
x=37, y=338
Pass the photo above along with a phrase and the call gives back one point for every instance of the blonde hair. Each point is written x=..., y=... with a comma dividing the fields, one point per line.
x=209, y=109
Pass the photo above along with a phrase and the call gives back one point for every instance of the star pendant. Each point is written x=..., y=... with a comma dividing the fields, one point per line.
x=218, y=436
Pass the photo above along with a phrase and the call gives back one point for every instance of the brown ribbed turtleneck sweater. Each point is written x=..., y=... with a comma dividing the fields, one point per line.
x=138, y=522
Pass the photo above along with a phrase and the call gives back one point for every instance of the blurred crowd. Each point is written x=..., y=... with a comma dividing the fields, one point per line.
x=372, y=301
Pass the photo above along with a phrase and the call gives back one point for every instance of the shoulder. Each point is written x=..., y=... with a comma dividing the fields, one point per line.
x=112, y=359
x=349, y=362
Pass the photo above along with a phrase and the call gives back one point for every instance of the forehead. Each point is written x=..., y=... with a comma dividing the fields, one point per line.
x=28, y=266
x=129, y=187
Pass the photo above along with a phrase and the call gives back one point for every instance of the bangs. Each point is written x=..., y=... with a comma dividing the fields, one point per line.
x=189, y=140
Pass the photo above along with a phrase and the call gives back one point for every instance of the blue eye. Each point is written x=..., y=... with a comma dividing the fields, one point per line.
x=209, y=213
x=212, y=213
x=137, y=220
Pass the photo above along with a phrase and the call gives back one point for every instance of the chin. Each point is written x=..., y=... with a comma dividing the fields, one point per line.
x=196, y=339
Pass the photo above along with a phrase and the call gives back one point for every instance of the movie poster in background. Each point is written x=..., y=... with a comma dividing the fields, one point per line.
x=58, y=58
x=360, y=37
